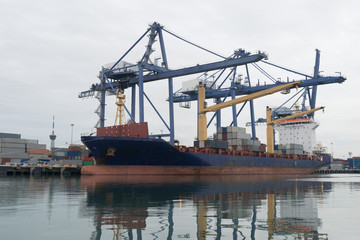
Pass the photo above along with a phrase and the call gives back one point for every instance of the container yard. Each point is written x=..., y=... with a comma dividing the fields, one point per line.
x=29, y=157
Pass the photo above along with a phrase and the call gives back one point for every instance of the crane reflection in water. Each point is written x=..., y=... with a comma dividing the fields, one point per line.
x=203, y=207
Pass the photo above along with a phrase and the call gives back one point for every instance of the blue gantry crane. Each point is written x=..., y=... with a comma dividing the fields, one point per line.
x=217, y=75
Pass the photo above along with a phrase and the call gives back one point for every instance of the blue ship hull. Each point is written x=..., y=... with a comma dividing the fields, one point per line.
x=122, y=155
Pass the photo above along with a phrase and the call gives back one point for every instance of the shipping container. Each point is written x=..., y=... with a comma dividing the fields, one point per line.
x=74, y=148
x=294, y=151
x=36, y=146
x=128, y=130
x=262, y=148
x=9, y=135
x=12, y=150
x=5, y=160
x=85, y=158
x=14, y=155
x=87, y=163
x=292, y=146
x=37, y=156
x=217, y=144
x=31, y=141
x=38, y=151
x=12, y=145
x=247, y=142
x=253, y=148
x=58, y=154
x=13, y=140
x=73, y=153
x=224, y=136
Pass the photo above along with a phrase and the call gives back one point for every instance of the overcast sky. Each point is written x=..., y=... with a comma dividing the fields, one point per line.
x=52, y=50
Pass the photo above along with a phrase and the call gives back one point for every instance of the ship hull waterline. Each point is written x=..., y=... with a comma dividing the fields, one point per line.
x=188, y=170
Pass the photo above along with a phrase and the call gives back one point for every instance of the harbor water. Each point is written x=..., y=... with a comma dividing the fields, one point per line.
x=180, y=207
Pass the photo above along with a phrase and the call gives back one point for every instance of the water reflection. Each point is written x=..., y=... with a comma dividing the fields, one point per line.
x=203, y=207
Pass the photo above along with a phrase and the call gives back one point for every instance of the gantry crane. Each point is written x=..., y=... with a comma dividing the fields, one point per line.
x=122, y=75
x=270, y=123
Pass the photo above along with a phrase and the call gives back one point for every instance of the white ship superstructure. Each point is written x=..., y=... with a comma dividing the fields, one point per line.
x=298, y=131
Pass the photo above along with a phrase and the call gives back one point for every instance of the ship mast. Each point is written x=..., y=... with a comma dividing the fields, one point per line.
x=120, y=112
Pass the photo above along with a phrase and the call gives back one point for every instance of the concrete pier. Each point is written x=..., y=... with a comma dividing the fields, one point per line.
x=325, y=171
x=39, y=170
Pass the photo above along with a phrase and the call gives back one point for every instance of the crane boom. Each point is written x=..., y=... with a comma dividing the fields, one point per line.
x=250, y=97
x=202, y=131
x=270, y=123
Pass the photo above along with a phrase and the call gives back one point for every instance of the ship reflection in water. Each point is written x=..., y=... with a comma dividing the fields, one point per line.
x=203, y=207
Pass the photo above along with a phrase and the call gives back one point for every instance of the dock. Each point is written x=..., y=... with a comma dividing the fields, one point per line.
x=40, y=170
x=328, y=171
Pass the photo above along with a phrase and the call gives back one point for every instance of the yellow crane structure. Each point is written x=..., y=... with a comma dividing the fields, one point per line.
x=270, y=123
x=202, y=121
x=120, y=112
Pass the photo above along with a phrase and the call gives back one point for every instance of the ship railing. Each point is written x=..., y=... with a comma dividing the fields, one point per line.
x=182, y=148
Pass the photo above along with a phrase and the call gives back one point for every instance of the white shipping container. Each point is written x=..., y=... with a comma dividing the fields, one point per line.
x=36, y=146
x=32, y=141
x=242, y=136
x=59, y=154
x=230, y=129
x=70, y=162
x=38, y=155
x=241, y=130
x=12, y=145
x=14, y=155
x=16, y=161
x=13, y=140
x=12, y=150
x=219, y=130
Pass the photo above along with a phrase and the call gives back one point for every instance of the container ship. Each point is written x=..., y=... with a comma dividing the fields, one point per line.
x=129, y=150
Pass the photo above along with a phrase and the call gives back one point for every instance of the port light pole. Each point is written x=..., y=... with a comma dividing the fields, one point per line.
x=72, y=130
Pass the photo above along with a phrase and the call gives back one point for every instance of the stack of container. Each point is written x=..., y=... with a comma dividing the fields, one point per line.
x=73, y=153
x=353, y=163
x=291, y=148
x=37, y=151
x=238, y=139
x=59, y=153
x=13, y=149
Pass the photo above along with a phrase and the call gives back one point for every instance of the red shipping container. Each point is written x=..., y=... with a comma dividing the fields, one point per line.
x=5, y=160
x=38, y=151
x=74, y=148
x=224, y=136
x=262, y=148
x=128, y=130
